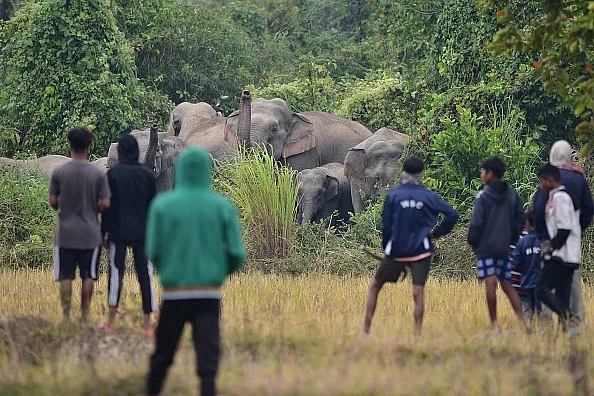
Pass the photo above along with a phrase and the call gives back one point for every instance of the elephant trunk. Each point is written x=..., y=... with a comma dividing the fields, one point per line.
x=307, y=213
x=245, y=119
x=151, y=152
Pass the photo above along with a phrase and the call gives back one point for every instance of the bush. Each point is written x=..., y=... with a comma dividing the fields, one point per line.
x=457, y=152
x=65, y=63
x=26, y=220
x=380, y=101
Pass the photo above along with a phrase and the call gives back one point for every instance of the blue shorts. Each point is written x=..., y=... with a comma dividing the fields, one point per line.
x=500, y=267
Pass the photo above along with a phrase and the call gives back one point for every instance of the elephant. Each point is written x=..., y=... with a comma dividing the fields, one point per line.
x=158, y=151
x=198, y=124
x=299, y=140
x=46, y=165
x=373, y=165
x=322, y=191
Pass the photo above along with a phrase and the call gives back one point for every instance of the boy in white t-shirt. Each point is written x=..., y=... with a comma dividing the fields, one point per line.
x=562, y=257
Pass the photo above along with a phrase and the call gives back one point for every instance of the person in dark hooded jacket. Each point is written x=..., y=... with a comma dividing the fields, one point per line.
x=496, y=223
x=133, y=187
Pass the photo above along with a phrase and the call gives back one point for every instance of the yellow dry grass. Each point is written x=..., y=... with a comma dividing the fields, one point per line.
x=300, y=335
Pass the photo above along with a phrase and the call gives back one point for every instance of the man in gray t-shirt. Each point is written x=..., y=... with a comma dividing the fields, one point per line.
x=78, y=191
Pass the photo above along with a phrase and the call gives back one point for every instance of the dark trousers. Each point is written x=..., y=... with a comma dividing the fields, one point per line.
x=559, y=277
x=203, y=314
x=144, y=273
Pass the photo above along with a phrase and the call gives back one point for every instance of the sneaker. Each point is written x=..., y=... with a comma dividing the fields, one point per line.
x=108, y=330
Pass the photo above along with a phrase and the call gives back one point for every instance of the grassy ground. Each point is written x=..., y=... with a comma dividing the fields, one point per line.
x=293, y=335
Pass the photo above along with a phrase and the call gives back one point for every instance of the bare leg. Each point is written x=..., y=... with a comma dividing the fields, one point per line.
x=419, y=298
x=514, y=299
x=66, y=297
x=111, y=316
x=146, y=325
x=374, y=289
x=85, y=297
x=490, y=291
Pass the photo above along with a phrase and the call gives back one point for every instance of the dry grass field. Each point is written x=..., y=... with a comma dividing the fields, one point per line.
x=293, y=336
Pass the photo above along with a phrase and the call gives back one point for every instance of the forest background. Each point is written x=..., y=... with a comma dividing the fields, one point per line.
x=441, y=71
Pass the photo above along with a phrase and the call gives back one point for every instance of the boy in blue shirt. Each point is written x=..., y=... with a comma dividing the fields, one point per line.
x=496, y=223
x=526, y=261
x=409, y=215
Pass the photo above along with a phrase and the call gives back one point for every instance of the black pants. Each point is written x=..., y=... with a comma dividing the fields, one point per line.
x=556, y=276
x=144, y=272
x=203, y=314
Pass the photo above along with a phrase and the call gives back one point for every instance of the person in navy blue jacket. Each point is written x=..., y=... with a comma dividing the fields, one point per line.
x=408, y=220
x=526, y=261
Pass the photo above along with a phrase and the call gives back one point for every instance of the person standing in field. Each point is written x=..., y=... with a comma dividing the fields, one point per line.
x=133, y=186
x=496, y=223
x=78, y=190
x=409, y=215
x=194, y=241
x=526, y=261
x=563, y=254
x=576, y=185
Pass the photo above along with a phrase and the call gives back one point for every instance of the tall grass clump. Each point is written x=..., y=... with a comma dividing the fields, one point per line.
x=266, y=196
x=26, y=220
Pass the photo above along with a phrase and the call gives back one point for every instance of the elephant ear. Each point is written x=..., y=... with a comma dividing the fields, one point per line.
x=354, y=167
x=332, y=190
x=230, y=135
x=301, y=136
x=112, y=155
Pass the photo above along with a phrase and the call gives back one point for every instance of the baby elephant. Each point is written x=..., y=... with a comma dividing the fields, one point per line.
x=324, y=190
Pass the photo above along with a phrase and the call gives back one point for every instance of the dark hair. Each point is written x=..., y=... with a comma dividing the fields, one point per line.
x=530, y=216
x=549, y=171
x=413, y=165
x=495, y=165
x=80, y=139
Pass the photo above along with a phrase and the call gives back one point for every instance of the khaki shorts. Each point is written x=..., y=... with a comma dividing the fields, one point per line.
x=389, y=270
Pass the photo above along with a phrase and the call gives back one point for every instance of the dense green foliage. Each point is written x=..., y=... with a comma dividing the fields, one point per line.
x=458, y=151
x=560, y=41
x=65, y=63
x=26, y=220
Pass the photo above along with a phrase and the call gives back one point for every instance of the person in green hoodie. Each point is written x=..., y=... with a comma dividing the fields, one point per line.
x=194, y=242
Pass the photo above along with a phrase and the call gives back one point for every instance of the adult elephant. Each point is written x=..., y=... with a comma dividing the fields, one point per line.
x=322, y=191
x=198, y=124
x=299, y=140
x=373, y=164
x=46, y=165
x=158, y=152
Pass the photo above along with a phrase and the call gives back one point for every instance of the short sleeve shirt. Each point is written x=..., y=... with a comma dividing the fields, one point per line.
x=79, y=188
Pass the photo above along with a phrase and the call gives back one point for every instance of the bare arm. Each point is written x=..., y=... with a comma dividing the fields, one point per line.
x=104, y=204
x=53, y=201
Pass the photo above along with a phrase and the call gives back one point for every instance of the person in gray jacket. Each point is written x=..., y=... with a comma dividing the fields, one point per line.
x=496, y=223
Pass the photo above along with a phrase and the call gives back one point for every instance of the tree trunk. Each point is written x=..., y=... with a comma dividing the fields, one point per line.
x=245, y=119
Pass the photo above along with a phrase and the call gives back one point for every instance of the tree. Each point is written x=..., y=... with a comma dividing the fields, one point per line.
x=65, y=63
x=560, y=39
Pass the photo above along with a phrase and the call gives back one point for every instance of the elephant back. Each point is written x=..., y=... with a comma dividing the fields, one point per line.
x=335, y=135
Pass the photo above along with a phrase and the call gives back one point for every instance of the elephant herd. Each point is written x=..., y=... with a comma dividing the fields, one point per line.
x=340, y=162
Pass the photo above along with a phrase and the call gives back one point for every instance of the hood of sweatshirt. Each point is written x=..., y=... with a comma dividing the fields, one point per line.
x=560, y=153
x=193, y=169
x=497, y=192
x=128, y=151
